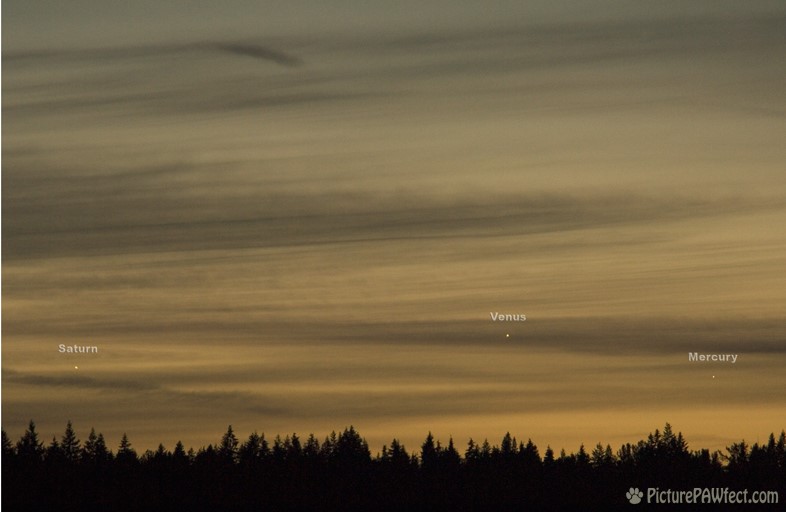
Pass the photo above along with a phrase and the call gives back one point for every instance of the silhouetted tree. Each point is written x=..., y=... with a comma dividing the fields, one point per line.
x=227, y=450
x=329, y=445
x=254, y=450
x=472, y=453
x=54, y=453
x=529, y=455
x=508, y=446
x=125, y=453
x=279, y=450
x=8, y=448
x=602, y=458
x=351, y=447
x=179, y=456
x=450, y=458
x=70, y=445
x=293, y=447
x=311, y=448
x=206, y=456
x=548, y=457
x=780, y=451
x=582, y=459
x=428, y=452
x=341, y=474
x=737, y=455
x=161, y=455
x=397, y=455
x=29, y=449
x=94, y=450
x=485, y=451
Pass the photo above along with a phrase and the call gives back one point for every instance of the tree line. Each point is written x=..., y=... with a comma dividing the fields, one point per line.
x=339, y=472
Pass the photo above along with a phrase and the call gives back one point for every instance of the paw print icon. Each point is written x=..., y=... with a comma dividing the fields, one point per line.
x=634, y=495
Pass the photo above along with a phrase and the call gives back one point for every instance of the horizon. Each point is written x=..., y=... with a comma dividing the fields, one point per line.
x=415, y=449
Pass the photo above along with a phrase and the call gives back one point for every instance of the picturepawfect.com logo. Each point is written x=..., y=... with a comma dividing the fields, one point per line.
x=702, y=495
x=634, y=495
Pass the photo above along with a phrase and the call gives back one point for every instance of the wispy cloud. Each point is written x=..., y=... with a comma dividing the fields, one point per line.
x=238, y=48
x=257, y=52
x=143, y=390
x=139, y=202
x=75, y=381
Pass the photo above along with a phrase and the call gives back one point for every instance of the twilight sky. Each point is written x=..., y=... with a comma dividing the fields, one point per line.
x=293, y=218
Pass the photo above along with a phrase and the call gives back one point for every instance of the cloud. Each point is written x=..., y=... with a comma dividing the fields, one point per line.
x=76, y=381
x=111, y=214
x=142, y=390
x=529, y=62
x=257, y=52
x=238, y=48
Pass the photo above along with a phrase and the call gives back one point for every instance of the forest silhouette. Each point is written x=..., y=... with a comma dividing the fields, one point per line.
x=340, y=473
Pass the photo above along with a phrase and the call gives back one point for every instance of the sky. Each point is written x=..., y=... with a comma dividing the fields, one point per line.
x=290, y=217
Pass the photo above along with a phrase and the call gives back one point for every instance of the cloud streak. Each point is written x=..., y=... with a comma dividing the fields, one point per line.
x=258, y=52
x=234, y=220
x=237, y=48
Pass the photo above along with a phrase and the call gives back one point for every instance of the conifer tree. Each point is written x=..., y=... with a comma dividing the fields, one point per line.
x=8, y=448
x=70, y=445
x=94, y=450
x=125, y=453
x=227, y=450
x=29, y=448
